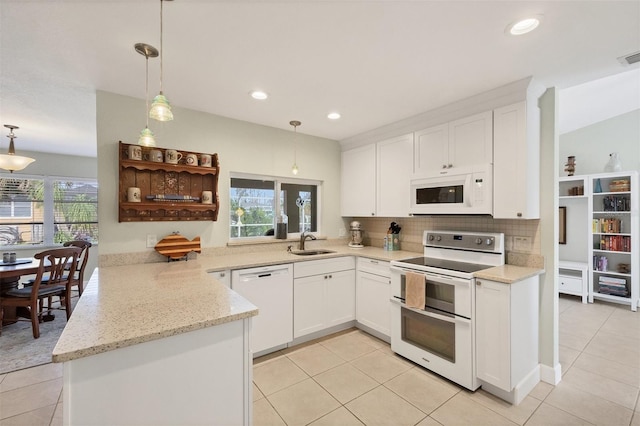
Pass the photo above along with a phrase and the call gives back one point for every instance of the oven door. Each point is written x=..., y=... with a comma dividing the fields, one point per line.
x=445, y=293
x=438, y=342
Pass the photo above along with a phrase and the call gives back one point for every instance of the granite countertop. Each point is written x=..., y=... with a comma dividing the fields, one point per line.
x=508, y=274
x=265, y=258
x=131, y=304
x=127, y=305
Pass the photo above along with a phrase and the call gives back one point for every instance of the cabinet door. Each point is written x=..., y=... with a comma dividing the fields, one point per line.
x=471, y=140
x=373, y=305
x=431, y=151
x=395, y=167
x=309, y=305
x=493, y=341
x=341, y=297
x=358, y=185
x=516, y=168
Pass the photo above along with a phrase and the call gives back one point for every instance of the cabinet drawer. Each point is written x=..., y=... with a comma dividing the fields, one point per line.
x=323, y=266
x=373, y=266
x=569, y=284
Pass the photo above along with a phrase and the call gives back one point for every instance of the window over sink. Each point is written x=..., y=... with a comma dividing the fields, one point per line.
x=256, y=202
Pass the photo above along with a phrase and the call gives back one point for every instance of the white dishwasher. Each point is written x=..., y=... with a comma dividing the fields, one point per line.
x=270, y=288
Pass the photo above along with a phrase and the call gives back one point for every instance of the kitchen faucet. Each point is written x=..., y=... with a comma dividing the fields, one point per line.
x=303, y=238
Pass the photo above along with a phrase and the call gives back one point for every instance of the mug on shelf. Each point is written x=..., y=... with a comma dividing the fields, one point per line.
x=134, y=152
x=191, y=160
x=205, y=160
x=207, y=197
x=133, y=195
x=172, y=156
x=154, y=155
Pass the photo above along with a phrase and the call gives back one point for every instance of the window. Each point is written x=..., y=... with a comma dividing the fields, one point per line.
x=256, y=202
x=47, y=210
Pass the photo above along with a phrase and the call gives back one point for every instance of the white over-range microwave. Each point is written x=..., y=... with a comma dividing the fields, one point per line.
x=463, y=190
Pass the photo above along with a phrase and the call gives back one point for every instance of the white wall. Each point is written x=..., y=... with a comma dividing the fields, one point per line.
x=592, y=145
x=241, y=146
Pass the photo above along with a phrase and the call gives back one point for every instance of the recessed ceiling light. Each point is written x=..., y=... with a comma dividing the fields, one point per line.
x=259, y=94
x=333, y=115
x=523, y=26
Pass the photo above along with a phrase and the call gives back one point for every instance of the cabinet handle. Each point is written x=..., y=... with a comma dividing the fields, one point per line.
x=478, y=282
x=449, y=166
x=374, y=261
x=373, y=214
x=330, y=276
x=519, y=214
x=444, y=166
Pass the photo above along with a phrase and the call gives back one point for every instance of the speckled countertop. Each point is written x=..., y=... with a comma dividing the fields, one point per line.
x=508, y=274
x=131, y=304
x=127, y=305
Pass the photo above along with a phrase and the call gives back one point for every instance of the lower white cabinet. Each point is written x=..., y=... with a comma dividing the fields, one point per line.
x=223, y=276
x=507, y=337
x=324, y=294
x=373, y=290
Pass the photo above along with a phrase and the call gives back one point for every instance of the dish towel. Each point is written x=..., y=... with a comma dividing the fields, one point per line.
x=414, y=290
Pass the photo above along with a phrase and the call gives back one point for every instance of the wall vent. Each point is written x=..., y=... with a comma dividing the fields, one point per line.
x=630, y=59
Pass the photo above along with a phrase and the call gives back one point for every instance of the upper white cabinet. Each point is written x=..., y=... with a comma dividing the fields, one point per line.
x=358, y=194
x=464, y=142
x=516, y=162
x=375, y=178
x=394, y=169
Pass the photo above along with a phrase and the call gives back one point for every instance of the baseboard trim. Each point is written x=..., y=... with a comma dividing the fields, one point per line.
x=551, y=375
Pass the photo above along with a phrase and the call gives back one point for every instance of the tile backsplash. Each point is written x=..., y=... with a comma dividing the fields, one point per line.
x=375, y=228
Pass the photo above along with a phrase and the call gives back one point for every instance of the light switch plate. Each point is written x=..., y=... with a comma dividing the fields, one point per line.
x=152, y=240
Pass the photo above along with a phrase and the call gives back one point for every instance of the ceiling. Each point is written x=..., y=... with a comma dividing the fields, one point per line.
x=376, y=62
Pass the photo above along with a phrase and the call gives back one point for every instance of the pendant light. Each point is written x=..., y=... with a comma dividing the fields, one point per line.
x=146, y=135
x=294, y=168
x=160, y=108
x=10, y=161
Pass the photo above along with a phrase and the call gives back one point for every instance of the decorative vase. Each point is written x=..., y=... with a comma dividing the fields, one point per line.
x=570, y=167
x=613, y=165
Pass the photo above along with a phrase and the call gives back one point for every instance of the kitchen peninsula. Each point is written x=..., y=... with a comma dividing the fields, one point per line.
x=160, y=343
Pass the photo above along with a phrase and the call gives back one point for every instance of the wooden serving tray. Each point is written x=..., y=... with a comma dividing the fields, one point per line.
x=176, y=246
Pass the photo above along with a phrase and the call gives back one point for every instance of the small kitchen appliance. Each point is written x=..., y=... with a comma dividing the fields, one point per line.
x=356, y=234
x=439, y=336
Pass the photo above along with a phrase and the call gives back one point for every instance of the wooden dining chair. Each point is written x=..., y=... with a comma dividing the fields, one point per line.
x=54, y=264
x=78, y=277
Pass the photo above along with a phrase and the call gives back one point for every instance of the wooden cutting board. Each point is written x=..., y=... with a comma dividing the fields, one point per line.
x=175, y=246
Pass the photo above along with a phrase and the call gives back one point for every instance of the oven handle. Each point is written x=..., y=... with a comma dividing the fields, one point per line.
x=436, y=278
x=451, y=319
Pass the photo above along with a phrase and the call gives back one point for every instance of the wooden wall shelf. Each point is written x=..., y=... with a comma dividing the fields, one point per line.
x=159, y=178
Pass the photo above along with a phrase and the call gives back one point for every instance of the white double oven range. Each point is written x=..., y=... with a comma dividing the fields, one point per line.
x=441, y=337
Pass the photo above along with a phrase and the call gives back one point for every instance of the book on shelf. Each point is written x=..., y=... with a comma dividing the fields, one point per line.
x=607, y=226
x=611, y=280
x=614, y=243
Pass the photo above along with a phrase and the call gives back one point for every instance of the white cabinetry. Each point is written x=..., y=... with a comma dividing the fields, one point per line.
x=507, y=337
x=516, y=158
x=270, y=288
x=613, y=249
x=373, y=291
x=573, y=278
x=464, y=142
x=358, y=188
x=394, y=169
x=324, y=294
x=223, y=276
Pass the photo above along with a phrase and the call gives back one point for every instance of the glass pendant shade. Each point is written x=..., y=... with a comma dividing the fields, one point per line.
x=161, y=109
x=10, y=161
x=294, y=169
x=146, y=138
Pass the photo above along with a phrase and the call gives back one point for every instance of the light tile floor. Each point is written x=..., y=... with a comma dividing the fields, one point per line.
x=352, y=378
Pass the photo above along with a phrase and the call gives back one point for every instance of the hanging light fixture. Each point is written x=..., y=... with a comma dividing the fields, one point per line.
x=10, y=161
x=160, y=108
x=146, y=135
x=294, y=168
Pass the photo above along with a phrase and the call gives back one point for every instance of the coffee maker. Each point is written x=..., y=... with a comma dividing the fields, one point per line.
x=356, y=235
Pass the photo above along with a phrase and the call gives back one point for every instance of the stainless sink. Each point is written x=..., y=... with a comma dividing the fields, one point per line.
x=310, y=252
